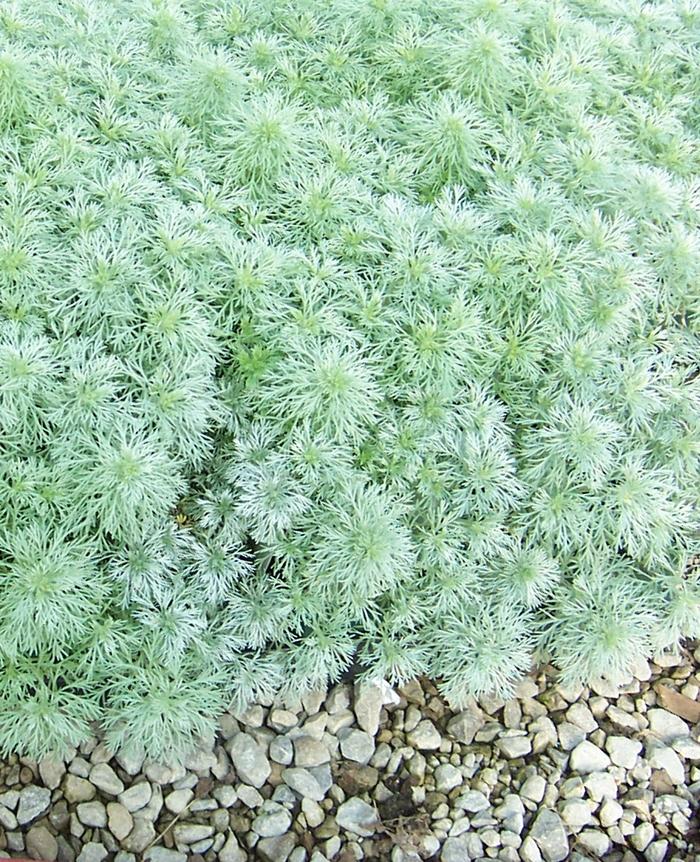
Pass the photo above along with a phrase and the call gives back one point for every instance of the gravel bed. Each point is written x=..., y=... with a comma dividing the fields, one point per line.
x=366, y=772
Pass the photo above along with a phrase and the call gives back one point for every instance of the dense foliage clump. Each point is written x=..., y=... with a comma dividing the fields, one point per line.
x=340, y=332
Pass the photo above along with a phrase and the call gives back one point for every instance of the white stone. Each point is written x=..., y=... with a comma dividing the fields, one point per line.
x=33, y=802
x=77, y=789
x=533, y=788
x=178, y=800
x=424, y=737
x=667, y=759
x=587, y=757
x=162, y=854
x=282, y=750
x=303, y=783
x=8, y=820
x=314, y=814
x=41, y=844
x=609, y=813
x=666, y=726
x=136, y=797
x=473, y=801
x=309, y=752
x=595, y=842
x=51, y=772
x=249, y=759
x=106, y=779
x=92, y=852
x=191, y=833
x=92, y=814
x=356, y=745
x=623, y=752
x=642, y=836
x=369, y=697
x=688, y=748
x=447, y=777
x=580, y=715
x=656, y=851
x=356, y=816
x=529, y=851
x=575, y=813
x=600, y=786
x=513, y=747
x=232, y=851
x=464, y=726
x=119, y=820
x=282, y=720
x=548, y=831
x=570, y=735
x=273, y=822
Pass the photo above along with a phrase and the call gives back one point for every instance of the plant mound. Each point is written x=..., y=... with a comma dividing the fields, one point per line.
x=340, y=334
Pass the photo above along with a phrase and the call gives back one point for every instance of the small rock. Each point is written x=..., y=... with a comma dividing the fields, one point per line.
x=548, y=831
x=41, y=844
x=667, y=759
x=656, y=852
x=136, y=797
x=462, y=848
x=140, y=836
x=623, y=752
x=473, y=801
x=232, y=851
x=282, y=720
x=587, y=757
x=424, y=737
x=356, y=745
x=33, y=802
x=162, y=854
x=8, y=820
x=131, y=759
x=314, y=814
x=575, y=813
x=595, y=842
x=51, y=772
x=106, y=779
x=514, y=746
x=356, y=816
x=119, y=820
x=356, y=779
x=570, y=735
x=464, y=726
x=276, y=849
x=642, y=836
x=270, y=824
x=304, y=783
x=310, y=752
x=249, y=759
x=609, y=813
x=447, y=777
x=666, y=726
x=92, y=814
x=92, y=852
x=529, y=851
x=249, y=796
x=600, y=785
x=282, y=750
x=369, y=698
x=533, y=788
x=10, y=799
x=253, y=717
x=77, y=789
x=580, y=715
x=191, y=833
x=178, y=800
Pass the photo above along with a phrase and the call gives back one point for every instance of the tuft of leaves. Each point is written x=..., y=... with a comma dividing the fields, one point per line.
x=340, y=334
